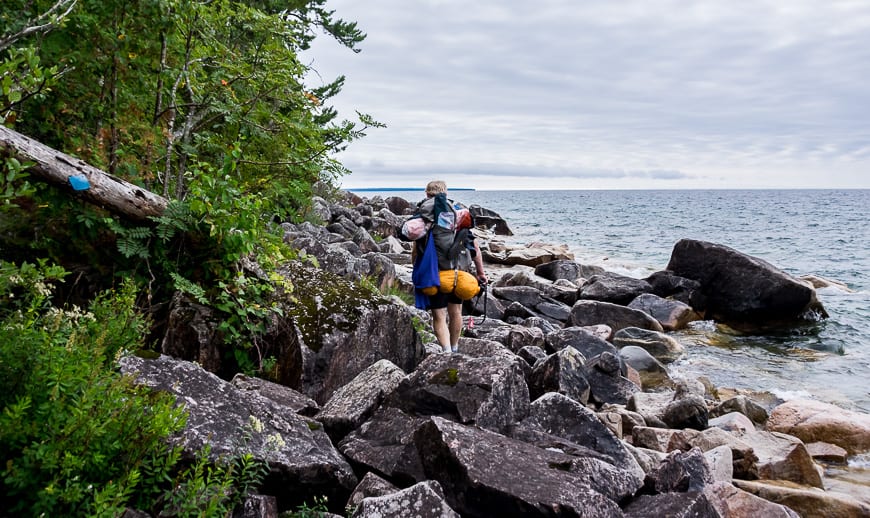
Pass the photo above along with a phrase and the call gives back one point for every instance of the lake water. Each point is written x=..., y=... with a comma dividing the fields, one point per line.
x=821, y=232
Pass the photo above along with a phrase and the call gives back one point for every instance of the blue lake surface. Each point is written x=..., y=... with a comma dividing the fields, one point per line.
x=820, y=232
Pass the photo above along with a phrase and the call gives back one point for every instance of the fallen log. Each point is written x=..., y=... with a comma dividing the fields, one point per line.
x=80, y=179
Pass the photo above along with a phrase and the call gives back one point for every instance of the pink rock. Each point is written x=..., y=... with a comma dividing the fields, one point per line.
x=814, y=421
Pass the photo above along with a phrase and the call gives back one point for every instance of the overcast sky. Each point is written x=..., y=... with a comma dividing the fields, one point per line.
x=577, y=94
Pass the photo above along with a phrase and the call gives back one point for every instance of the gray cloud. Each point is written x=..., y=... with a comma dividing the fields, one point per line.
x=633, y=94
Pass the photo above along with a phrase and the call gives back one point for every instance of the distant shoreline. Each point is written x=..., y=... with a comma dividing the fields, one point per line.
x=370, y=189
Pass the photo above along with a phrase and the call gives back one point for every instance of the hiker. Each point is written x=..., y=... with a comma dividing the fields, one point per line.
x=448, y=227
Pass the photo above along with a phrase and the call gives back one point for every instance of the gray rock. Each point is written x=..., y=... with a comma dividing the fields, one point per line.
x=734, y=422
x=606, y=384
x=351, y=404
x=689, y=411
x=555, y=415
x=568, y=270
x=721, y=463
x=590, y=313
x=579, y=338
x=755, y=412
x=652, y=372
x=669, y=286
x=744, y=291
x=662, y=347
x=489, y=392
x=682, y=472
x=383, y=444
x=532, y=355
x=490, y=220
x=302, y=460
x=671, y=314
x=370, y=485
x=300, y=403
x=673, y=505
x=613, y=288
x=561, y=372
x=487, y=474
x=426, y=499
x=254, y=506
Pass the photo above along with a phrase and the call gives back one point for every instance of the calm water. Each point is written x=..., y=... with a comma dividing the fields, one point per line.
x=821, y=232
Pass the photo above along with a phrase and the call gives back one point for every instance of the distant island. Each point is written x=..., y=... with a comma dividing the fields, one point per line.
x=404, y=189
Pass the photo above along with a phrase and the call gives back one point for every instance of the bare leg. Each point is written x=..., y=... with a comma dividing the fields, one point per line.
x=454, y=312
x=439, y=327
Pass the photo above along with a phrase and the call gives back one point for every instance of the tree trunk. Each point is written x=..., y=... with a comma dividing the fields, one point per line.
x=111, y=193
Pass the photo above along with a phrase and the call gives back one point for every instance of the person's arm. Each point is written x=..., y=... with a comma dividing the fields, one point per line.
x=478, y=264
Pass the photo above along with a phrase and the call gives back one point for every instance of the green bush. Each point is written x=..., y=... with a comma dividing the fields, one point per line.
x=78, y=438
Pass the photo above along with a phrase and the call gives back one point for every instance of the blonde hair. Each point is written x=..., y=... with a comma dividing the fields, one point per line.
x=435, y=187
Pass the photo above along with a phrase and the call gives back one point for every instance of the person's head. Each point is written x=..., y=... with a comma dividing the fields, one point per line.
x=435, y=187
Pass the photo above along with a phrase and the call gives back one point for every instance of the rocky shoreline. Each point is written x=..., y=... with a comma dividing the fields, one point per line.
x=559, y=402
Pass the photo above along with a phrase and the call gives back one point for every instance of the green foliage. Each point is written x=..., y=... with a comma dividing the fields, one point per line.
x=78, y=439
x=74, y=433
x=307, y=510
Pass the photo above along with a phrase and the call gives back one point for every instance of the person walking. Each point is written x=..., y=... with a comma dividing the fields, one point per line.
x=450, y=226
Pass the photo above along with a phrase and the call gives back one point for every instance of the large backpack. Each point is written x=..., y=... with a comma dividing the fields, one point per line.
x=450, y=228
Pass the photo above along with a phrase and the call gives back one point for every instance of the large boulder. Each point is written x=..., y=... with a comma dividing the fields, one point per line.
x=567, y=270
x=592, y=312
x=353, y=403
x=490, y=392
x=558, y=422
x=489, y=220
x=744, y=291
x=486, y=474
x=345, y=329
x=815, y=421
x=614, y=288
x=302, y=460
x=651, y=371
x=579, y=338
x=671, y=314
x=606, y=382
x=426, y=498
x=807, y=501
x=561, y=372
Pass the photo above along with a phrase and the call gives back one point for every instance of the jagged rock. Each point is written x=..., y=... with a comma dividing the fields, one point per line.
x=652, y=373
x=554, y=415
x=606, y=384
x=689, y=411
x=257, y=506
x=651, y=405
x=783, y=457
x=489, y=392
x=732, y=422
x=286, y=396
x=613, y=288
x=365, y=241
x=629, y=418
x=662, y=439
x=662, y=347
x=370, y=485
x=730, y=501
x=533, y=256
x=378, y=267
x=515, y=312
x=490, y=220
x=512, y=336
x=543, y=324
x=398, y=205
x=814, y=421
x=671, y=314
x=351, y=404
x=673, y=505
x=827, y=452
x=649, y=460
x=591, y=312
x=191, y=334
x=807, y=501
x=669, y=286
x=742, y=404
x=744, y=459
x=561, y=372
x=744, y=291
x=345, y=329
x=721, y=463
x=525, y=295
x=392, y=246
x=486, y=474
x=426, y=499
x=568, y=270
x=383, y=444
x=682, y=472
x=301, y=458
x=532, y=355
x=579, y=338
x=320, y=208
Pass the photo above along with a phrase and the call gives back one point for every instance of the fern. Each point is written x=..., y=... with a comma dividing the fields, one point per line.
x=189, y=287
